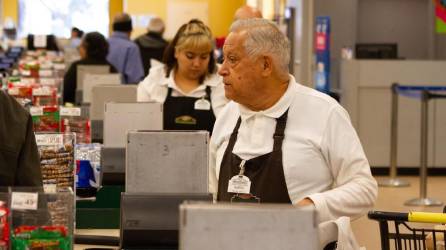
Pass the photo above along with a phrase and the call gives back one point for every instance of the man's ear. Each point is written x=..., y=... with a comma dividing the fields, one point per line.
x=267, y=65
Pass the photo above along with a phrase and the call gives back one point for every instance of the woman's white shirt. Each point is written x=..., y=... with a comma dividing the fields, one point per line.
x=155, y=87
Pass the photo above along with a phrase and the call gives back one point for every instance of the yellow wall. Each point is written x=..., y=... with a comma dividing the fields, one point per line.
x=10, y=9
x=115, y=7
x=220, y=13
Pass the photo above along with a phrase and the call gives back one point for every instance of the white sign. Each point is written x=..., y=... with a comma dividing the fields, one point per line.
x=74, y=111
x=36, y=111
x=22, y=200
x=45, y=91
x=40, y=41
x=45, y=72
x=49, y=139
x=59, y=66
x=47, y=81
x=13, y=91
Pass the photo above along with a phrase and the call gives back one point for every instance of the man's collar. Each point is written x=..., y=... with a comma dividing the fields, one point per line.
x=120, y=34
x=277, y=109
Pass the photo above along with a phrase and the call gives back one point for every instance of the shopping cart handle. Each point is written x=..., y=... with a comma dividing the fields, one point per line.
x=424, y=217
x=381, y=215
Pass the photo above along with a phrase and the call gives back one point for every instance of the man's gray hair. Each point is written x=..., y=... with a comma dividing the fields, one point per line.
x=264, y=37
x=156, y=25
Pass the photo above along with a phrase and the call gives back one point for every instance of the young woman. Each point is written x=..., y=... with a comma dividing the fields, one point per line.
x=187, y=84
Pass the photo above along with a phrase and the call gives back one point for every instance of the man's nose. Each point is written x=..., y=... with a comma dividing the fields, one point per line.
x=223, y=71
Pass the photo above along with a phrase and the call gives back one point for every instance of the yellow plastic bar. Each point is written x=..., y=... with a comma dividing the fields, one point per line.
x=427, y=217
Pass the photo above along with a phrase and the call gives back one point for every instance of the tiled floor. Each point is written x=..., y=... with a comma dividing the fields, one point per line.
x=392, y=199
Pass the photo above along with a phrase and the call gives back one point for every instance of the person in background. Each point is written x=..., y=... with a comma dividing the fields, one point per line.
x=19, y=157
x=152, y=45
x=291, y=143
x=76, y=37
x=246, y=12
x=93, y=51
x=187, y=85
x=123, y=53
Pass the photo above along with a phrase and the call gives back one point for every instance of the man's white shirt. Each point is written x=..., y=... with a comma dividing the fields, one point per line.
x=322, y=156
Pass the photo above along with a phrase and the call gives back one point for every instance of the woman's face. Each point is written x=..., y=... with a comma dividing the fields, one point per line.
x=192, y=64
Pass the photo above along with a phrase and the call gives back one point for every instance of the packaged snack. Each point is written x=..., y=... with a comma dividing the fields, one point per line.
x=4, y=226
x=57, y=160
x=44, y=96
x=72, y=119
x=45, y=119
x=88, y=169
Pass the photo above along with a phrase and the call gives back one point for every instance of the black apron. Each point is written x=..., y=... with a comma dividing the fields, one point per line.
x=180, y=113
x=265, y=171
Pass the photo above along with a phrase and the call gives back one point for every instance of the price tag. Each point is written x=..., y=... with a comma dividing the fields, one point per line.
x=64, y=111
x=47, y=81
x=49, y=139
x=26, y=72
x=59, y=66
x=28, y=81
x=42, y=92
x=44, y=72
x=13, y=91
x=50, y=188
x=36, y=111
x=22, y=200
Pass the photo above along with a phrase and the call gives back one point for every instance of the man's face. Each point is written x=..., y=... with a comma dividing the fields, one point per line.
x=241, y=74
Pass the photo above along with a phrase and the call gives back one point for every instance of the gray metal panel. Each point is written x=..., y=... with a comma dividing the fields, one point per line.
x=167, y=161
x=91, y=80
x=84, y=69
x=122, y=117
x=110, y=93
x=142, y=211
x=113, y=160
x=97, y=131
x=247, y=226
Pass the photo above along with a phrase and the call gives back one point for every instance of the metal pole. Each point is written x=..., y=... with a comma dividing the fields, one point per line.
x=393, y=181
x=423, y=200
x=423, y=144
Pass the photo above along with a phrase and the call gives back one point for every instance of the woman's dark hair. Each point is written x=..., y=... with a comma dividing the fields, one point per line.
x=192, y=34
x=79, y=33
x=95, y=45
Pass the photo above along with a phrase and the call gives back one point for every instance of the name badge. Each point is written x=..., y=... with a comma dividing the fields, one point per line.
x=239, y=184
x=202, y=104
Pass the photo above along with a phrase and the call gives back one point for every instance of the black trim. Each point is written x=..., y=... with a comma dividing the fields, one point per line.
x=411, y=171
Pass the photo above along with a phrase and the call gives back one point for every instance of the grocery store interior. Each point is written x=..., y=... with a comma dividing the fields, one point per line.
x=117, y=119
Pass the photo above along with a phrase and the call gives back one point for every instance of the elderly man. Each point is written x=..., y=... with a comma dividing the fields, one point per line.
x=124, y=54
x=278, y=141
x=152, y=44
x=19, y=158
